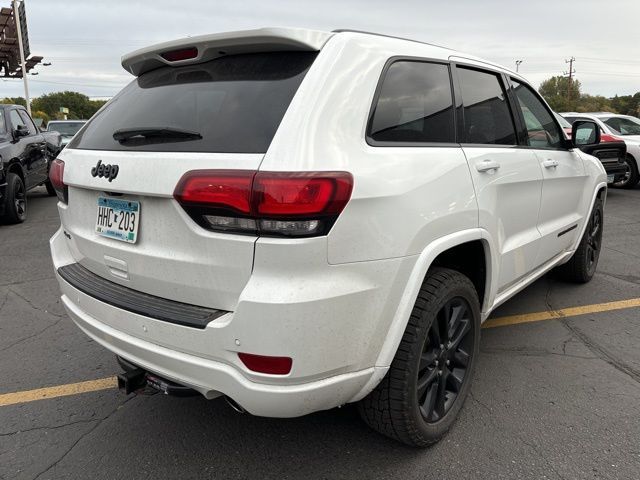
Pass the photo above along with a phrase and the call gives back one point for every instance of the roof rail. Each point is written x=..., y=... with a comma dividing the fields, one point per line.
x=349, y=30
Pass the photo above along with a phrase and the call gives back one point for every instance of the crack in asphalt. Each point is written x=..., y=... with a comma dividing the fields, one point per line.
x=39, y=332
x=625, y=278
x=83, y=436
x=534, y=353
x=35, y=307
x=31, y=280
x=48, y=427
x=623, y=253
x=600, y=352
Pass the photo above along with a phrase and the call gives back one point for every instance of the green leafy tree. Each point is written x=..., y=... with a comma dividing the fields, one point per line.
x=561, y=94
x=79, y=105
x=14, y=101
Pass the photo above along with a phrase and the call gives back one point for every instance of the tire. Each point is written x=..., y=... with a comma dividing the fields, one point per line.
x=416, y=402
x=15, y=202
x=583, y=263
x=50, y=190
x=632, y=177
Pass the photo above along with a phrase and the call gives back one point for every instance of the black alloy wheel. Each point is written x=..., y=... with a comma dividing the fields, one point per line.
x=444, y=360
x=430, y=376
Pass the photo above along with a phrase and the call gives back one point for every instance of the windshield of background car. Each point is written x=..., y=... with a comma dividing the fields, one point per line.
x=624, y=125
x=66, y=129
x=233, y=104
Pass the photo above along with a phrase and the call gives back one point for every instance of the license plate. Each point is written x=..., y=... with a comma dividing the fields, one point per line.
x=118, y=219
x=610, y=178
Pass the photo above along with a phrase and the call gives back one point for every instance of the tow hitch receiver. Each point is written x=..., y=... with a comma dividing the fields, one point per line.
x=132, y=380
x=136, y=380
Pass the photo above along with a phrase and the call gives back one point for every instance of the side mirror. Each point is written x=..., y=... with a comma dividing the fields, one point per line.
x=585, y=132
x=21, y=131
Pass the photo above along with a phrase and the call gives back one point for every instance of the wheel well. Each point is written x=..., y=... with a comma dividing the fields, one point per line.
x=470, y=260
x=15, y=168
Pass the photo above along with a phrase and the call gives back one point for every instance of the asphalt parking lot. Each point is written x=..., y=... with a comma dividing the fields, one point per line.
x=555, y=398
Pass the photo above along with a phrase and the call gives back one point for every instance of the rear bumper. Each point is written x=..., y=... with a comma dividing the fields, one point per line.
x=332, y=320
x=212, y=378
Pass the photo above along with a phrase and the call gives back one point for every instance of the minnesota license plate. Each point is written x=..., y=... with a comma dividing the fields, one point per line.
x=118, y=219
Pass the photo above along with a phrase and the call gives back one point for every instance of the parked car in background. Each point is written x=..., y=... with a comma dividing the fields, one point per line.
x=611, y=151
x=297, y=220
x=25, y=157
x=622, y=126
x=66, y=128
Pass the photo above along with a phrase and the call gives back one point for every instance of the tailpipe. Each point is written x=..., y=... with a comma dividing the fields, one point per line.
x=235, y=405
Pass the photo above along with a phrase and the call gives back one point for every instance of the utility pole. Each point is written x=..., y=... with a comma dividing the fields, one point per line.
x=16, y=18
x=518, y=62
x=570, y=73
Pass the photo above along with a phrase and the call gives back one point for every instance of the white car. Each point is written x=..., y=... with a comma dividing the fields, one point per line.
x=298, y=220
x=625, y=126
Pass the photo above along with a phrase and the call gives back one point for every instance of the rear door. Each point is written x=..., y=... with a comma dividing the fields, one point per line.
x=507, y=179
x=564, y=177
x=230, y=109
x=30, y=148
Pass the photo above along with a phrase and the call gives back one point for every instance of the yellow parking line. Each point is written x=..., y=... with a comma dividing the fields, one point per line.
x=57, y=391
x=565, y=312
x=110, y=382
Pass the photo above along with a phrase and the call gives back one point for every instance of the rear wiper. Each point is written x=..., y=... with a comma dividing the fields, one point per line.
x=124, y=134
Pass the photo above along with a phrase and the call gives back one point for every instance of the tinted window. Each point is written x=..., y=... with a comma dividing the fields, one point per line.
x=235, y=103
x=3, y=127
x=487, y=117
x=414, y=104
x=624, y=125
x=28, y=122
x=67, y=129
x=542, y=130
x=15, y=119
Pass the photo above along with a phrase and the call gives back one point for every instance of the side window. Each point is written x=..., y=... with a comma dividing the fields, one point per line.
x=15, y=119
x=414, y=105
x=28, y=122
x=3, y=127
x=487, y=116
x=542, y=130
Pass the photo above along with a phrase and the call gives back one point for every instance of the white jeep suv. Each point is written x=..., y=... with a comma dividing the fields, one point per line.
x=298, y=220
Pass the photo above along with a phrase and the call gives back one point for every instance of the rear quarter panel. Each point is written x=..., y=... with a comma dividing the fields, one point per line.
x=403, y=197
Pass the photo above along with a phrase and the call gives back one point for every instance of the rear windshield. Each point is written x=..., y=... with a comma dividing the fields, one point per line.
x=232, y=104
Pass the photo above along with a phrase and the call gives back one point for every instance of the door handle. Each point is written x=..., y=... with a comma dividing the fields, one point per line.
x=550, y=163
x=487, y=165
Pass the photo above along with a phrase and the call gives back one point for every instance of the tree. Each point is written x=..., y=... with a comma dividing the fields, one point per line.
x=79, y=105
x=14, y=101
x=561, y=94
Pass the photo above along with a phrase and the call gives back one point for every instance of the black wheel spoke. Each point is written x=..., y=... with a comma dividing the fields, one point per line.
x=427, y=359
x=425, y=381
x=465, y=326
x=430, y=400
x=439, y=408
x=455, y=379
x=461, y=358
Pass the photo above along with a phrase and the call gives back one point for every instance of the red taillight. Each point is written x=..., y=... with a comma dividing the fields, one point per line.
x=265, y=364
x=606, y=138
x=181, y=54
x=291, y=194
x=56, y=177
x=265, y=203
x=228, y=189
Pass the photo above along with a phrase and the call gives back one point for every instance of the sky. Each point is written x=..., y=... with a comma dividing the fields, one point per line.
x=85, y=39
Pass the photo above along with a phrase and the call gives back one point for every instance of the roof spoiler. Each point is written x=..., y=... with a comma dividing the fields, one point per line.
x=207, y=47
